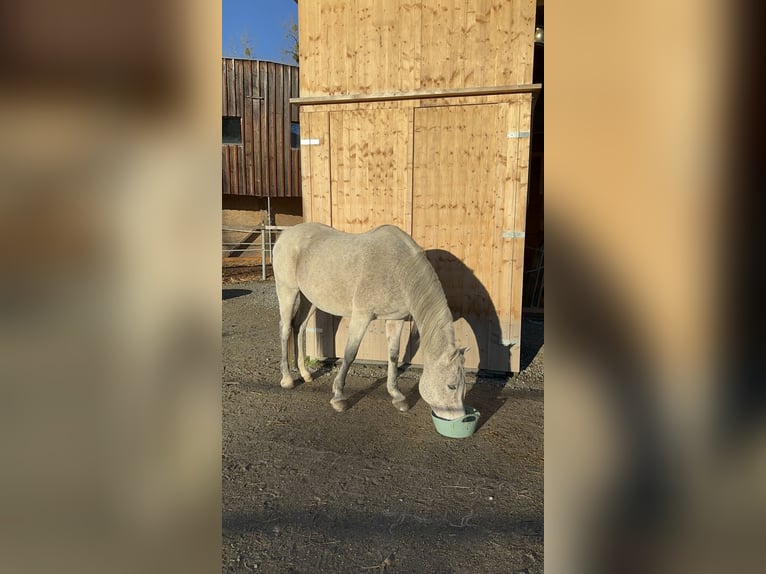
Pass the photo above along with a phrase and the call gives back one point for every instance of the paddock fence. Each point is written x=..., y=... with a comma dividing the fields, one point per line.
x=253, y=248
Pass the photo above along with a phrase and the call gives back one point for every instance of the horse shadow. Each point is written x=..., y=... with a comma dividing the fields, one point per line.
x=325, y=367
x=361, y=393
x=469, y=300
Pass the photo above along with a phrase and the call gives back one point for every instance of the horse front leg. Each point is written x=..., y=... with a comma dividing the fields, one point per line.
x=394, y=336
x=356, y=328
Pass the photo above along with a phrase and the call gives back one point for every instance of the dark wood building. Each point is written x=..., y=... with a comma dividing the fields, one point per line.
x=261, y=139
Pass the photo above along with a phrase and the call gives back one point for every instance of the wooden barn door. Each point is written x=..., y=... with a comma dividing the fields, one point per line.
x=468, y=213
x=357, y=175
x=370, y=179
x=455, y=178
x=315, y=182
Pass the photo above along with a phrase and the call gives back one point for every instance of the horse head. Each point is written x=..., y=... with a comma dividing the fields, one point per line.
x=442, y=384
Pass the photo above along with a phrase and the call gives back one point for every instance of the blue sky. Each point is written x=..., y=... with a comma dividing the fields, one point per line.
x=262, y=25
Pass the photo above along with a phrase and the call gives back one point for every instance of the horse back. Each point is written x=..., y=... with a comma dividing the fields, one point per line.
x=340, y=272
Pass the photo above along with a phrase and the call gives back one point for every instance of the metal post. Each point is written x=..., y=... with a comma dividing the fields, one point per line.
x=268, y=223
x=271, y=245
x=263, y=252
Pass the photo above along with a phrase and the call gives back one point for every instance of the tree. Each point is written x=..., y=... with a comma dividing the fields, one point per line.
x=244, y=40
x=292, y=35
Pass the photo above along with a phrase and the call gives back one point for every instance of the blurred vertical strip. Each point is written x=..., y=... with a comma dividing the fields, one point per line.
x=655, y=442
x=743, y=399
x=110, y=289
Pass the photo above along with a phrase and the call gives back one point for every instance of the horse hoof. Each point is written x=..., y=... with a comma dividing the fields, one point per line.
x=287, y=383
x=401, y=406
x=308, y=379
x=340, y=405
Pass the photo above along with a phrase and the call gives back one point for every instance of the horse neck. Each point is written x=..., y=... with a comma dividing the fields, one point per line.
x=437, y=342
x=429, y=309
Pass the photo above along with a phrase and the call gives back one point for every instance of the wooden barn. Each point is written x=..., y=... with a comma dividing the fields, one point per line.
x=418, y=113
x=260, y=149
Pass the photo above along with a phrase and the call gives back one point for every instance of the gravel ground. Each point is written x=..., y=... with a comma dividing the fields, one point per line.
x=306, y=489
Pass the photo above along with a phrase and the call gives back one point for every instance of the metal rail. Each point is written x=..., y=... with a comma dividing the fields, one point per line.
x=267, y=235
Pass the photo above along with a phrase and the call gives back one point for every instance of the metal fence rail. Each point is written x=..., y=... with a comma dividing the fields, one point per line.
x=268, y=235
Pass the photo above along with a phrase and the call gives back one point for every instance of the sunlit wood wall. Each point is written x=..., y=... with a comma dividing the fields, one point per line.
x=418, y=114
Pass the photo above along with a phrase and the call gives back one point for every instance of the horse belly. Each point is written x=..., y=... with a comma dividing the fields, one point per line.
x=393, y=315
x=344, y=299
x=340, y=279
x=327, y=294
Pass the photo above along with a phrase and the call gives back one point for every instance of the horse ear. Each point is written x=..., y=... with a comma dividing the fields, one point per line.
x=459, y=354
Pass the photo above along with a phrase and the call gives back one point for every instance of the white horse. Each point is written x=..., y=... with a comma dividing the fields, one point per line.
x=380, y=274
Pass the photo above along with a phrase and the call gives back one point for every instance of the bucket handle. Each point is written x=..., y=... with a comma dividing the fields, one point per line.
x=469, y=418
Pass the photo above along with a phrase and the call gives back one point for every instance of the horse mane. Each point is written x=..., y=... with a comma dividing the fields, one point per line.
x=427, y=302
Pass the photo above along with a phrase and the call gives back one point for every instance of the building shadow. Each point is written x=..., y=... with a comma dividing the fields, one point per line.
x=233, y=293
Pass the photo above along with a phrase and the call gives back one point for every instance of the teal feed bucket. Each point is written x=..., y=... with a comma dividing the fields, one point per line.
x=461, y=427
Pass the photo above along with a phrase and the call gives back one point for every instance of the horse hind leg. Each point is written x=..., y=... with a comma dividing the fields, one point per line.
x=394, y=336
x=288, y=306
x=356, y=328
x=305, y=373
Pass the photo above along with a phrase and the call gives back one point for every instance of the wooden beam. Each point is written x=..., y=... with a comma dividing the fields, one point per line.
x=419, y=95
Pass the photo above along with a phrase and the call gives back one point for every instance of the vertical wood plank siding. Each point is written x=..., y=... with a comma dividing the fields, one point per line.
x=371, y=46
x=263, y=165
x=451, y=171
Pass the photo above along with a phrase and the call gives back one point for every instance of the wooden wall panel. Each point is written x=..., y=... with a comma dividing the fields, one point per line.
x=369, y=46
x=239, y=170
x=278, y=129
x=224, y=88
x=247, y=127
x=504, y=228
x=374, y=346
x=370, y=183
x=462, y=207
x=271, y=107
x=315, y=163
x=442, y=50
x=259, y=94
x=453, y=178
x=452, y=170
x=295, y=153
x=226, y=183
x=230, y=106
x=369, y=154
x=254, y=106
x=519, y=175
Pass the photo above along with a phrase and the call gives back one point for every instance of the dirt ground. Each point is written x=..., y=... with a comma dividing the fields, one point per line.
x=306, y=489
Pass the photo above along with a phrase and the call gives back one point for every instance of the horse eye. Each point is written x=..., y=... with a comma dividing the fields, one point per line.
x=452, y=387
